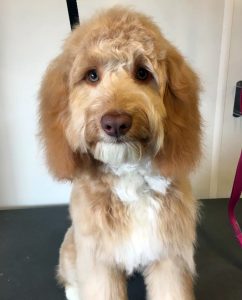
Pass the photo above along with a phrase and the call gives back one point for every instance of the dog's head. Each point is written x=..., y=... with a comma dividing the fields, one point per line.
x=119, y=92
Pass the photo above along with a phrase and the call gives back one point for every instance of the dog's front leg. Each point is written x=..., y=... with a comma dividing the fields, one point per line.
x=97, y=280
x=169, y=279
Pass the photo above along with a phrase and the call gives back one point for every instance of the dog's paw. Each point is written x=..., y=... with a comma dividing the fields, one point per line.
x=71, y=293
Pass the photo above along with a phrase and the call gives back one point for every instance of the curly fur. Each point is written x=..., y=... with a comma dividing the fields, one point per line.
x=131, y=205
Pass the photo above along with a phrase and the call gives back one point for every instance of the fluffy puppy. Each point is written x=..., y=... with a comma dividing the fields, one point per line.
x=119, y=118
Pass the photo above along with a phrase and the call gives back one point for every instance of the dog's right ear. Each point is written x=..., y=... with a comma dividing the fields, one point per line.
x=53, y=112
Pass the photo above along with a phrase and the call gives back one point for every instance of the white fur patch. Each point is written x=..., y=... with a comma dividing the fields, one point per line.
x=157, y=183
x=71, y=293
x=136, y=186
x=116, y=153
x=143, y=245
x=138, y=182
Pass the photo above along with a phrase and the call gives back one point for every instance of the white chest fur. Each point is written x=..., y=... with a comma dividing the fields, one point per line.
x=136, y=187
x=138, y=182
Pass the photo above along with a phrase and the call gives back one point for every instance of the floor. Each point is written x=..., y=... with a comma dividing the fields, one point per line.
x=30, y=239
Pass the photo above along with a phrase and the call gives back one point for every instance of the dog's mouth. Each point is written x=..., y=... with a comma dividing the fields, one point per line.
x=117, y=140
x=126, y=140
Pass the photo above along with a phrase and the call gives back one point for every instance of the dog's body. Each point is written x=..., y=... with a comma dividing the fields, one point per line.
x=119, y=117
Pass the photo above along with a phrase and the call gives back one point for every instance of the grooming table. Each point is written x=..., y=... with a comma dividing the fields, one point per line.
x=30, y=241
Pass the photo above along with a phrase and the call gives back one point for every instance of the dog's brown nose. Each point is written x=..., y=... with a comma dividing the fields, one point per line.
x=116, y=124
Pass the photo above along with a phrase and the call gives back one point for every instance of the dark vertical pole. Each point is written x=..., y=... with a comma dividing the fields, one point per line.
x=73, y=13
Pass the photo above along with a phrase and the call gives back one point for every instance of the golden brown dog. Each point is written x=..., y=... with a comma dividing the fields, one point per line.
x=119, y=118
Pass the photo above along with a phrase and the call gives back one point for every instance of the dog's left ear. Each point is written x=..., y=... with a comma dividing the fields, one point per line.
x=182, y=125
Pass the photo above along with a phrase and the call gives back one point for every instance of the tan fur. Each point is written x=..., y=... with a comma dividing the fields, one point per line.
x=165, y=132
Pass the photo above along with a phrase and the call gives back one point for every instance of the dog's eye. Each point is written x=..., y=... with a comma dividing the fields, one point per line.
x=92, y=76
x=142, y=74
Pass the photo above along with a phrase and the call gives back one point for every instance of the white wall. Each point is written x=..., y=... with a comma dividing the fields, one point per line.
x=32, y=33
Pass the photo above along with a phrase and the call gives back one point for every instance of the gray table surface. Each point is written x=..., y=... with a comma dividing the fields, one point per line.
x=30, y=240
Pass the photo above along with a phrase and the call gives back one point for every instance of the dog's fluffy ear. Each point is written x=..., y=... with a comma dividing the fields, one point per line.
x=53, y=112
x=182, y=125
